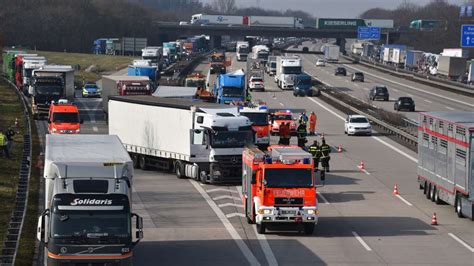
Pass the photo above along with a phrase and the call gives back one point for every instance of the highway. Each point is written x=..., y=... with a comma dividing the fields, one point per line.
x=426, y=98
x=361, y=221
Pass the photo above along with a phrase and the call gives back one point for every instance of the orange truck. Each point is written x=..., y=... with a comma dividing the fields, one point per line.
x=218, y=63
x=258, y=115
x=64, y=118
x=279, y=186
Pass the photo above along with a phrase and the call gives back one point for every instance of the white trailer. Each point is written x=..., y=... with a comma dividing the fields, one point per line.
x=88, y=196
x=200, y=140
x=152, y=53
x=242, y=50
x=331, y=53
x=203, y=19
x=286, y=70
x=30, y=64
x=260, y=53
x=398, y=57
x=278, y=22
x=386, y=55
x=379, y=23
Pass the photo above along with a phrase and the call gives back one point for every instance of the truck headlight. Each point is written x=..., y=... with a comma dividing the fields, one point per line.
x=311, y=212
x=264, y=211
x=54, y=130
x=78, y=130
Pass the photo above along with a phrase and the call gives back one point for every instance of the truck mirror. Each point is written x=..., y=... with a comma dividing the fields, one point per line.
x=139, y=234
x=40, y=231
x=200, y=119
x=139, y=221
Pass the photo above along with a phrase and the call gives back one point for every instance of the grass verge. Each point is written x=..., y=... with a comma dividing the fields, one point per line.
x=105, y=63
x=10, y=108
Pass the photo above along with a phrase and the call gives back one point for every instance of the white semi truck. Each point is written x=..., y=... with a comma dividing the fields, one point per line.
x=242, y=50
x=287, y=67
x=30, y=64
x=153, y=53
x=199, y=140
x=88, y=202
x=331, y=53
x=260, y=53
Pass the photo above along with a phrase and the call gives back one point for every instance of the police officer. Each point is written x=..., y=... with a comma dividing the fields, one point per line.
x=315, y=150
x=301, y=134
x=325, y=150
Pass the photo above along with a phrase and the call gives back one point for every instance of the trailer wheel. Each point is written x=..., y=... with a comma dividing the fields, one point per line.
x=458, y=206
x=425, y=188
x=308, y=228
x=179, y=169
x=437, y=200
x=261, y=228
x=428, y=191
x=142, y=162
x=432, y=193
x=134, y=160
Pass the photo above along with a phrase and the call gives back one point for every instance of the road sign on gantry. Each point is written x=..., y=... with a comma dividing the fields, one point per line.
x=368, y=33
x=467, y=36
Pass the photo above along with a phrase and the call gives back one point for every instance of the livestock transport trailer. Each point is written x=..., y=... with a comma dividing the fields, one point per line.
x=446, y=159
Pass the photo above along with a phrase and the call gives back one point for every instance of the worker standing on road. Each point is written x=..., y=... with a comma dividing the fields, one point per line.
x=282, y=133
x=287, y=134
x=312, y=123
x=9, y=135
x=315, y=150
x=303, y=118
x=301, y=134
x=3, y=144
x=325, y=158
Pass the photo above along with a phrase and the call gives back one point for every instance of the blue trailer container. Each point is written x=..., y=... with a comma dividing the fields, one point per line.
x=367, y=50
x=412, y=58
x=148, y=71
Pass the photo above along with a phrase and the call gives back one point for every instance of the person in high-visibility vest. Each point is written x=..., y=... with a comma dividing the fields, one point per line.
x=325, y=150
x=301, y=134
x=312, y=123
x=3, y=144
x=315, y=150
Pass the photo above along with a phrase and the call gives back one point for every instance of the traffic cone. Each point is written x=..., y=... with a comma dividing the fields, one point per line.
x=361, y=165
x=395, y=190
x=434, y=220
x=339, y=148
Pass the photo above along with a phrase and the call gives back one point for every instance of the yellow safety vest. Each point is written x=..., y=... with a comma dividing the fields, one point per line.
x=3, y=140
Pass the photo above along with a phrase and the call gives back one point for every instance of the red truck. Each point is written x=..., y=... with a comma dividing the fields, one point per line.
x=279, y=186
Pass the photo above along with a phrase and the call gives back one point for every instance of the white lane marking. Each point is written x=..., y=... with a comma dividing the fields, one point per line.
x=262, y=240
x=228, y=226
x=282, y=104
x=367, y=89
x=230, y=204
x=361, y=241
x=225, y=197
x=326, y=201
x=411, y=95
x=414, y=88
x=365, y=171
x=449, y=108
x=395, y=90
x=95, y=129
x=355, y=84
x=404, y=200
x=461, y=242
x=220, y=189
x=376, y=138
x=428, y=101
x=234, y=214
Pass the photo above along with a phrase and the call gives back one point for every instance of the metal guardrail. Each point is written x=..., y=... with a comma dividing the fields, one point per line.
x=15, y=225
x=387, y=127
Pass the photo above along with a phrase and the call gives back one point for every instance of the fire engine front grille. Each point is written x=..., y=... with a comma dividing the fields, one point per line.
x=288, y=201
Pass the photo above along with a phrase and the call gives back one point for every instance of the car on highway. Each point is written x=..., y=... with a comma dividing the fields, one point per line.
x=357, y=125
x=357, y=76
x=282, y=117
x=340, y=71
x=256, y=83
x=90, y=89
x=63, y=118
x=305, y=49
x=404, y=103
x=320, y=62
x=379, y=92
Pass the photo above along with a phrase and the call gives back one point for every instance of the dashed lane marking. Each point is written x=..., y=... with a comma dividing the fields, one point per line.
x=461, y=242
x=227, y=224
x=221, y=189
x=326, y=201
x=361, y=241
x=449, y=108
x=235, y=214
x=230, y=204
x=428, y=101
x=404, y=200
x=225, y=197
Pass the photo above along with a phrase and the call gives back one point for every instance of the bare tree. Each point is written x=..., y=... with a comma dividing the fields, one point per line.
x=225, y=6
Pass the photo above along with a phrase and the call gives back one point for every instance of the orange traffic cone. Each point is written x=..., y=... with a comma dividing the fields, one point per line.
x=339, y=148
x=434, y=220
x=361, y=165
x=395, y=190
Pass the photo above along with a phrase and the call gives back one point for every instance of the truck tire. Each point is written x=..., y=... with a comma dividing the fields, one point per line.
x=261, y=228
x=134, y=157
x=179, y=169
x=142, y=162
x=436, y=199
x=458, y=206
x=309, y=228
x=428, y=191
x=425, y=188
x=432, y=193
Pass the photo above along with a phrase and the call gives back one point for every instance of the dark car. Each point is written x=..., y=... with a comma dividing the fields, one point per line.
x=404, y=103
x=340, y=71
x=379, y=92
x=359, y=76
x=305, y=49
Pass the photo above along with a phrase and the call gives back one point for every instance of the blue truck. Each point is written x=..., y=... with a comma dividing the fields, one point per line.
x=303, y=85
x=99, y=46
x=230, y=87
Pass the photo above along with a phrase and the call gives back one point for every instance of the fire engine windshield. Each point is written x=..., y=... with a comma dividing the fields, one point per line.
x=288, y=178
x=257, y=119
x=232, y=92
x=90, y=224
x=292, y=70
x=65, y=118
x=231, y=139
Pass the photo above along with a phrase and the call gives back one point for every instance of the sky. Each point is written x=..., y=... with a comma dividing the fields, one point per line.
x=329, y=8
